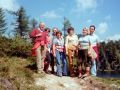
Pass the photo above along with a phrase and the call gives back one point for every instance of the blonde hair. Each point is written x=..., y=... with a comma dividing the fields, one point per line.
x=88, y=31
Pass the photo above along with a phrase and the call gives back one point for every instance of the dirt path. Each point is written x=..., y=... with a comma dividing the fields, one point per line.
x=52, y=82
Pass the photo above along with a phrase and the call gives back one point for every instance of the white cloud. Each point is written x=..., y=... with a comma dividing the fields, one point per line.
x=9, y=4
x=114, y=37
x=50, y=14
x=83, y=5
x=102, y=27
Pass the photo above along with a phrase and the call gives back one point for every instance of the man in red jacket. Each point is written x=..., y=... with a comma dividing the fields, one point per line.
x=39, y=47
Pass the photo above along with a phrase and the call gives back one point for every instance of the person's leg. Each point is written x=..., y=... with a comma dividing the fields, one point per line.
x=87, y=63
x=38, y=61
x=94, y=62
x=47, y=62
x=64, y=62
x=80, y=54
x=70, y=61
x=43, y=55
x=58, y=62
x=93, y=68
x=80, y=69
x=52, y=63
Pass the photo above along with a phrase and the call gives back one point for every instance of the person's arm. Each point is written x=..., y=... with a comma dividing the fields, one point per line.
x=34, y=34
x=98, y=41
x=78, y=46
x=66, y=45
x=76, y=41
x=54, y=48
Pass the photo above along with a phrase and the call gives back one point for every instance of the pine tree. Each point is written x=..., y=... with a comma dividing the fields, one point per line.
x=22, y=22
x=3, y=23
x=33, y=23
x=66, y=24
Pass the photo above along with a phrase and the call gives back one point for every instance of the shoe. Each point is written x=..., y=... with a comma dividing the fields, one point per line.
x=72, y=75
x=93, y=75
x=47, y=72
x=60, y=75
x=64, y=74
x=85, y=75
x=52, y=72
x=80, y=75
x=40, y=72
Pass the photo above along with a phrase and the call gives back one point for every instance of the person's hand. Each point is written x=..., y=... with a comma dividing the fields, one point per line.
x=38, y=35
x=79, y=46
x=54, y=55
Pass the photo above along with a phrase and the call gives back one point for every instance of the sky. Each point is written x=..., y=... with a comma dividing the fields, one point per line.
x=104, y=14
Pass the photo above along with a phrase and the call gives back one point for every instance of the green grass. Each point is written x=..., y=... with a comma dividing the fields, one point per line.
x=20, y=72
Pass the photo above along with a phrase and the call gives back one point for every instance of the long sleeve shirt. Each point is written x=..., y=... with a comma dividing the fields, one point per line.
x=71, y=40
x=42, y=39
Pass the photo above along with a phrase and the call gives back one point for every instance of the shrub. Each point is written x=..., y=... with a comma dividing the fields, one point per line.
x=14, y=47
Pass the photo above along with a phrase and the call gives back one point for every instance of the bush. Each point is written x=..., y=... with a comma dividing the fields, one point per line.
x=14, y=47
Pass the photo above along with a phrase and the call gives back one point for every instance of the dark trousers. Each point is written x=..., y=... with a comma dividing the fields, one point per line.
x=47, y=61
x=52, y=62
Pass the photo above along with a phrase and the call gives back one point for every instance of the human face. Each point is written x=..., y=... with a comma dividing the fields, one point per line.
x=85, y=32
x=55, y=30
x=71, y=32
x=58, y=35
x=48, y=32
x=92, y=30
x=42, y=26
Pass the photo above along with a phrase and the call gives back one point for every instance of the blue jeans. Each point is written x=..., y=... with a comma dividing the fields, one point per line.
x=93, y=68
x=61, y=68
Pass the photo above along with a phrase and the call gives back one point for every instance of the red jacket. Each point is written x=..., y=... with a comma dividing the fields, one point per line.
x=42, y=39
x=38, y=41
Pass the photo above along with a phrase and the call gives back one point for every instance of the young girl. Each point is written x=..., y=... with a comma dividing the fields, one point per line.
x=58, y=51
x=71, y=44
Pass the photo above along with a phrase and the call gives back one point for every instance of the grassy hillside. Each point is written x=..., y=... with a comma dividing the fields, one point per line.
x=18, y=74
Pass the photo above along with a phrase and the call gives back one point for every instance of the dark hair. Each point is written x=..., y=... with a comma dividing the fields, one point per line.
x=70, y=29
x=47, y=29
x=58, y=32
x=92, y=26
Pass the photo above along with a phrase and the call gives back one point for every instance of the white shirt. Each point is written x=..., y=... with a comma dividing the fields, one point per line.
x=71, y=40
x=94, y=39
x=59, y=43
x=84, y=42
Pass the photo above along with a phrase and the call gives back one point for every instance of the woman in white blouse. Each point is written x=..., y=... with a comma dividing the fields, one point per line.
x=71, y=44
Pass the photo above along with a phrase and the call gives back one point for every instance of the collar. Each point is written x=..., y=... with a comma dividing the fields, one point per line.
x=72, y=35
x=92, y=34
x=40, y=30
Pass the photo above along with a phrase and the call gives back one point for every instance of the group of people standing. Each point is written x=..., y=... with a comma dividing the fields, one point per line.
x=56, y=50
